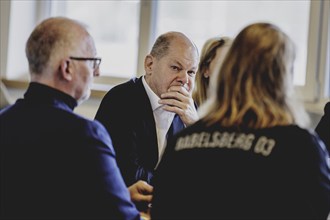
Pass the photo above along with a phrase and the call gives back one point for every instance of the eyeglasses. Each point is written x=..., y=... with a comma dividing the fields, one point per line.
x=96, y=60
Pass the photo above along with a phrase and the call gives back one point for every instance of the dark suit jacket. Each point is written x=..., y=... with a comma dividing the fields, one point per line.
x=323, y=127
x=56, y=164
x=126, y=113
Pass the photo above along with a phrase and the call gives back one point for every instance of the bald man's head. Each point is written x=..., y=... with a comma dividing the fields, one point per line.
x=163, y=42
x=52, y=37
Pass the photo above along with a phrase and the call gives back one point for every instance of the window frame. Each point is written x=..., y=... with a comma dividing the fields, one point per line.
x=317, y=70
x=314, y=91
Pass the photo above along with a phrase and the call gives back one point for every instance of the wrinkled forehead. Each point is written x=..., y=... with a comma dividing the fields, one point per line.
x=183, y=53
x=186, y=62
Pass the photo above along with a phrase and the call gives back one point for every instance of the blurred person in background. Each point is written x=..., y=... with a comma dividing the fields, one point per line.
x=213, y=53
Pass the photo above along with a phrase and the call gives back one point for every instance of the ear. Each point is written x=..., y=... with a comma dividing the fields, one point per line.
x=148, y=62
x=66, y=69
x=206, y=74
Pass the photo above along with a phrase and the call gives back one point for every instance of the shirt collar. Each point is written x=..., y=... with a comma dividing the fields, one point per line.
x=152, y=95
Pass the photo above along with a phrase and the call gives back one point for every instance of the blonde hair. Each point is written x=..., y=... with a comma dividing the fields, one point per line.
x=255, y=80
x=208, y=53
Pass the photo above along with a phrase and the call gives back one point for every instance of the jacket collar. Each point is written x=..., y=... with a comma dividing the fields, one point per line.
x=43, y=94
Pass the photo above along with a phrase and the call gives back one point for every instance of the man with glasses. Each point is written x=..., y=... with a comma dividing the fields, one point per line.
x=55, y=163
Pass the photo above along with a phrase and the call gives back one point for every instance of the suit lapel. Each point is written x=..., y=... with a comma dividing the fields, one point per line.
x=149, y=143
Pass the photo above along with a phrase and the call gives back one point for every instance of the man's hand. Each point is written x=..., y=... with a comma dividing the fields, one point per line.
x=178, y=100
x=141, y=191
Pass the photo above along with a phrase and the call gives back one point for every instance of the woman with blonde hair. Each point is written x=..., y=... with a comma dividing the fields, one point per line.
x=212, y=56
x=247, y=157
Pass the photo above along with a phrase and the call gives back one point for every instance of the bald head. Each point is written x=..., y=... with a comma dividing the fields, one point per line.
x=164, y=41
x=52, y=38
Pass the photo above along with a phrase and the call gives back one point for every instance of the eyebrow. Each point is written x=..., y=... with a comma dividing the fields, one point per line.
x=177, y=63
x=181, y=66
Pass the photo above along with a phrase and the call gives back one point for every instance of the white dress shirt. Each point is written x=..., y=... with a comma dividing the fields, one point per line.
x=162, y=118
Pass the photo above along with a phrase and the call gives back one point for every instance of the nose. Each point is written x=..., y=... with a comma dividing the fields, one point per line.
x=183, y=77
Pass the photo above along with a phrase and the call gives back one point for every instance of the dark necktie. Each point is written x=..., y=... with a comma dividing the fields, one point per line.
x=176, y=126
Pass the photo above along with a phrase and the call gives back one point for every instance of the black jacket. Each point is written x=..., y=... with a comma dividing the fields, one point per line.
x=323, y=127
x=126, y=113
x=56, y=164
x=211, y=172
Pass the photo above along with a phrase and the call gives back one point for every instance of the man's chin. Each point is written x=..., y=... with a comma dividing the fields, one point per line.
x=84, y=97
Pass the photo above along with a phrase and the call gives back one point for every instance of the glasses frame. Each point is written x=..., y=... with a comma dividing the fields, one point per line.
x=96, y=63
